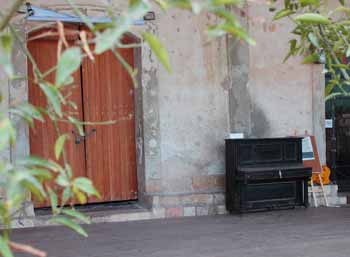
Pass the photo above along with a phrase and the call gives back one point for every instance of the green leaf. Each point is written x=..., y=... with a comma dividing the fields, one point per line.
x=59, y=145
x=312, y=18
x=6, y=45
x=226, y=15
x=34, y=186
x=53, y=200
x=340, y=66
x=182, y=4
x=30, y=182
x=292, y=49
x=4, y=248
x=312, y=58
x=69, y=171
x=347, y=54
x=221, y=29
x=314, y=40
x=329, y=89
x=108, y=38
x=40, y=173
x=70, y=224
x=304, y=3
x=80, y=196
x=158, y=49
x=85, y=185
x=7, y=133
x=34, y=161
x=342, y=9
x=77, y=215
x=78, y=125
x=225, y=2
x=28, y=112
x=163, y=4
x=62, y=181
x=68, y=63
x=283, y=13
x=66, y=195
x=54, y=97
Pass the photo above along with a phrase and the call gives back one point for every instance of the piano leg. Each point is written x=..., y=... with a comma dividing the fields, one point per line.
x=306, y=192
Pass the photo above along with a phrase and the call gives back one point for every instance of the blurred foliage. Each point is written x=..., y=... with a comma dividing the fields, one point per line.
x=321, y=35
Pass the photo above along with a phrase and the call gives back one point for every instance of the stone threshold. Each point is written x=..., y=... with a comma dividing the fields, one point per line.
x=130, y=213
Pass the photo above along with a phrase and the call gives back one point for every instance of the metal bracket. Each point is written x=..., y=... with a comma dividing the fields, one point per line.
x=79, y=138
x=30, y=11
x=150, y=16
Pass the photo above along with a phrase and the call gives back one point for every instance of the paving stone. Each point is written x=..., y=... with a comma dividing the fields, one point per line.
x=309, y=232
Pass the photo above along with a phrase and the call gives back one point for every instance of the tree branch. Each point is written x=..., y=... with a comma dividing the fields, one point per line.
x=10, y=14
x=27, y=249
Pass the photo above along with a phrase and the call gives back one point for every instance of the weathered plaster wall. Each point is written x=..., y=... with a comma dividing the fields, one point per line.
x=216, y=86
x=193, y=104
x=280, y=99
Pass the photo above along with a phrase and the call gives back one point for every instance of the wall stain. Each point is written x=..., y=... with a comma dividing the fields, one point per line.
x=260, y=123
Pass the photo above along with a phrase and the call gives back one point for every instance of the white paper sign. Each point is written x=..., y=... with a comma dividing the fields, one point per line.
x=308, y=152
x=329, y=123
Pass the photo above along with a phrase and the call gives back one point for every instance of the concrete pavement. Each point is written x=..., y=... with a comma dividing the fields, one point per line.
x=295, y=233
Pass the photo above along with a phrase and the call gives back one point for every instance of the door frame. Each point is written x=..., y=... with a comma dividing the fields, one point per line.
x=20, y=93
x=147, y=108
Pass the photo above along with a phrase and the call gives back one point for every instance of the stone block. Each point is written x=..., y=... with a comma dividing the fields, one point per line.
x=174, y=212
x=158, y=212
x=219, y=199
x=221, y=209
x=211, y=182
x=155, y=201
x=202, y=210
x=168, y=201
x=197, y=199
x=189, y=211
x=212, y=210
x=342, y=200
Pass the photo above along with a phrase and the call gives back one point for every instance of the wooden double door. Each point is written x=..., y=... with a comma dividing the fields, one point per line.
x=102, y=91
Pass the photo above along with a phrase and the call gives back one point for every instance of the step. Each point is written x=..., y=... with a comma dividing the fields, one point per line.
x=334, y=199
x=97, y=216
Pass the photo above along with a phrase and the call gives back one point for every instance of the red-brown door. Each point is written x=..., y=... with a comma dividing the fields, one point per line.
x=43, y=136
x=110, y=152
x=103, y=91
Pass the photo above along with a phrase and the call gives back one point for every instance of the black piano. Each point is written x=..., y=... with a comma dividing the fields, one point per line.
x=265, y=174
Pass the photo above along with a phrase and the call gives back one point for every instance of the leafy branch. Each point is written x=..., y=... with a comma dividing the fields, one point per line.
x=322, y=35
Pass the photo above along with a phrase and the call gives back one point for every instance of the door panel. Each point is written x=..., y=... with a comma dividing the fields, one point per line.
x=103, y=92
x=110, y=152
x=43, y=136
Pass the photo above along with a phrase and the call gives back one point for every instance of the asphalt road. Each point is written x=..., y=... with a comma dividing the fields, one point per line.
x=295, y=233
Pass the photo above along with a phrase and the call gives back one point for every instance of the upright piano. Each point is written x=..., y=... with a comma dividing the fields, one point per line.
x=265, y=174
